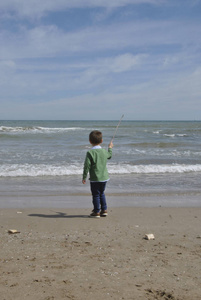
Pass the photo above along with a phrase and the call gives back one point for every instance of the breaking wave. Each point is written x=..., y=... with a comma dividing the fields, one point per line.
x=30, y=170
x=36, y=129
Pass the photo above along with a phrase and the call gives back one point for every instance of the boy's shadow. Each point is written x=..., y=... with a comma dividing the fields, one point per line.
x=58, y=215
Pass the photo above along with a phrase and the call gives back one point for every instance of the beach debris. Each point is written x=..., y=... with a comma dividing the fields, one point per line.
x=149, y=236
x=13, y=231
x=161, y=294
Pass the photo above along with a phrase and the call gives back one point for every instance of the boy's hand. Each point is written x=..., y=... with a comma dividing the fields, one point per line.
x=83, y=181
x=110, y=145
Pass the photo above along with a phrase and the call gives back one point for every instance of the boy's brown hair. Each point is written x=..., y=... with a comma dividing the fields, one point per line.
x=95, y=137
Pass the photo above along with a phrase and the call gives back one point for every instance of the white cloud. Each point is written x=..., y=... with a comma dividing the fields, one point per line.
x=170, y=97
x=36, y=77
x=147, y=66
x=7, y=64
x=38, y=8
x=50, y=41
x=125, y=62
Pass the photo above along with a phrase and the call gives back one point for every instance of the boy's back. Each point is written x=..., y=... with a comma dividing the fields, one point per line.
x=95, y=164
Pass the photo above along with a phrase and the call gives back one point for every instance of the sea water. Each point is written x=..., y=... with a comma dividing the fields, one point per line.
x=45, y=158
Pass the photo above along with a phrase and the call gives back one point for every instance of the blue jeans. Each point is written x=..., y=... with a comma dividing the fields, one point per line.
x=98, y=196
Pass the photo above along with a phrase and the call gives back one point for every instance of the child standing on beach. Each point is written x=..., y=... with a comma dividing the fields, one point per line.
x=95, y=163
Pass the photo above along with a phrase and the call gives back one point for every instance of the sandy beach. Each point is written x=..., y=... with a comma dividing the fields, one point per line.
x=63, y=254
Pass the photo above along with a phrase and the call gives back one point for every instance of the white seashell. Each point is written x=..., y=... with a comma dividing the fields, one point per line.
x=12, y=231
x=149, y=236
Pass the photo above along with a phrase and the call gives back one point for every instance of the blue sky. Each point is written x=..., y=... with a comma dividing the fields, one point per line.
x=99, y=59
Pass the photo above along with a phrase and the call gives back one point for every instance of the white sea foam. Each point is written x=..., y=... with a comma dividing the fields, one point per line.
x=157, y=132
x=154, y=169
x=36, y=129
x=175, y=134
x=29, y=170
x=169, y=135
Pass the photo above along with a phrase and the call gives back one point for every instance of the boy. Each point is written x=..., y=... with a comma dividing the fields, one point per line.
x=95, y=163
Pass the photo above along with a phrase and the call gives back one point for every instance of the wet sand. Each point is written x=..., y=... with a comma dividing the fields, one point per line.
x=63, y=254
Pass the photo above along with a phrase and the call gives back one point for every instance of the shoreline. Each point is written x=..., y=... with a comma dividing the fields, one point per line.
x=63, y=254
x=69, y=192
x=84, y=200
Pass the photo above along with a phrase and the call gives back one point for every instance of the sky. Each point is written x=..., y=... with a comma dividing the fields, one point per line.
x=99, y=59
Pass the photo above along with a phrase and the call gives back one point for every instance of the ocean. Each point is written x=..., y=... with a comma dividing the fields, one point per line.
x=41, y=159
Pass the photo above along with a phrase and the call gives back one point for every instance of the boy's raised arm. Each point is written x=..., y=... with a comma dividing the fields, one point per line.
x=110, y=145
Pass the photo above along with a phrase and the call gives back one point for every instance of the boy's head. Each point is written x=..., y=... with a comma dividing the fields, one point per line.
x=95, y=137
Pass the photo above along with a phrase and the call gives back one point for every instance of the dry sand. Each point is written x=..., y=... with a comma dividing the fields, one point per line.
x=63, y=254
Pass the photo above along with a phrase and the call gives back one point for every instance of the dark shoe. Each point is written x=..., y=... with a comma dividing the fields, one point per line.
x=103, y=213
x=94, y=215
